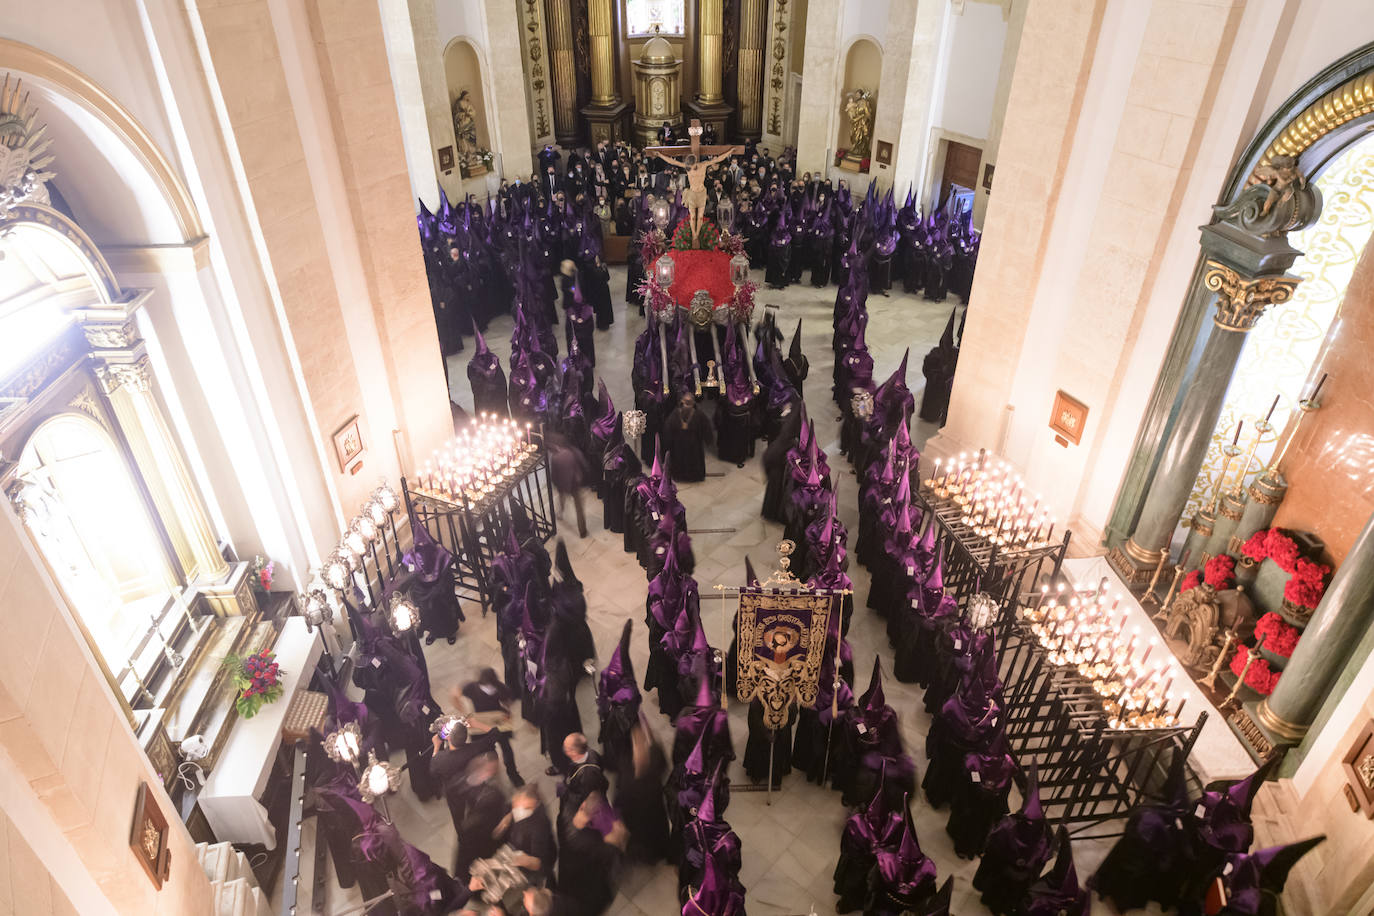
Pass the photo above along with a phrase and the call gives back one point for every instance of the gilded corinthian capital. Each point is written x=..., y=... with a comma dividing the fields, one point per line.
x=1242, y=300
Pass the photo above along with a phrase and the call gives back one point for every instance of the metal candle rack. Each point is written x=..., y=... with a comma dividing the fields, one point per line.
x=473, y=526
x=1089, y=771
x=973, y=563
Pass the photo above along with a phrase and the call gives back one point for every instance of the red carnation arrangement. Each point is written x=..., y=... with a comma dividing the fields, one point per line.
x=1280, y=637
x=1260, y=678
x=258, y=678
x=1191, y=581
x=1307, y=584
x=1220, y=572
x=1256, y=548
x=1282, y=549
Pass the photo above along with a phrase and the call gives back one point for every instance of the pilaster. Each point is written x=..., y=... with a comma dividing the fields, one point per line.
x=819, y=96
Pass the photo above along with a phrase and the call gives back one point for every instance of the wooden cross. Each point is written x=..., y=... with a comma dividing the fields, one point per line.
x=697, y=151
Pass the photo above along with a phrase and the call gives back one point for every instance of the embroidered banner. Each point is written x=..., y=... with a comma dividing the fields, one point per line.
x=781, y=646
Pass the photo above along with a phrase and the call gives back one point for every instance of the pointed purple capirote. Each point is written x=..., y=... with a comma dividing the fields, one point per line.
x=707, y=811
x=1030, y=805
x=750, y=577
x=1263, y=872
x=873, y=698
x=619, y=665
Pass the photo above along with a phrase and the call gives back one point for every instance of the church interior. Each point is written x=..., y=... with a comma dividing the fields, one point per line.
x=699, y=457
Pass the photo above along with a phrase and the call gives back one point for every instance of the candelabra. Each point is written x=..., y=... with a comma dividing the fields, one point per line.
x=992, y=501
x=1086, y=635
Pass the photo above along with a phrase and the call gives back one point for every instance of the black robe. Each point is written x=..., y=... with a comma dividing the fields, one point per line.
x=639, y=802
x=684, y=441
x=762, y=741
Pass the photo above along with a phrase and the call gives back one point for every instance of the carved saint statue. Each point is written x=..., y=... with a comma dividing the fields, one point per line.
x=465, y=127
x=859, y=106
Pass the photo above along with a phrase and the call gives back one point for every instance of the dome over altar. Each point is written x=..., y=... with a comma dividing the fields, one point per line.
x=657, y=50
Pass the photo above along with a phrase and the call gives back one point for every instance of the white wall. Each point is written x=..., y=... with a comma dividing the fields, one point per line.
x=972, y=54
x=460, y=18
x=865, y=17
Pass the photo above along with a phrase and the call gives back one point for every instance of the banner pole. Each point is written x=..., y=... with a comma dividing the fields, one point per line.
x=772, y=748
x=725, y=649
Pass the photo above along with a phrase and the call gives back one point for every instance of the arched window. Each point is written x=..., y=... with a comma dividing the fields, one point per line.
x=647, y=17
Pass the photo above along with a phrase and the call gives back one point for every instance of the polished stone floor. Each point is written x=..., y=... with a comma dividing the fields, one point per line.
x=789, y=846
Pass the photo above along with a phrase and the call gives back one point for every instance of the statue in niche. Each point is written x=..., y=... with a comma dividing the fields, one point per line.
x=465, y=131
x=859, y=106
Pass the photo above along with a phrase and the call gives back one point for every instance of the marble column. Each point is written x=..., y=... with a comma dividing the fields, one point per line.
x=1339, y=622
x=1240, y=302
x=600, y=19
x=127, y=379
x=753, y=19
x=710, y=47
x=564, y=72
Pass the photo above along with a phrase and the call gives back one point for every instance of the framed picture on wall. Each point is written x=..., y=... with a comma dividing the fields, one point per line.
x=445, y=158
x=1068, y=418
x=348, y=443
x=883, y=153
x=148, y=839
x=987, y=176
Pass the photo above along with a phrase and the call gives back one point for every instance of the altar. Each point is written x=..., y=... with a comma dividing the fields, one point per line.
x=231, y=798
x=1218, y=754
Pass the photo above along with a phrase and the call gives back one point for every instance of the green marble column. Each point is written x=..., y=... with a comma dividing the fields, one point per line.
x=1338, y=624
x=1240, y=302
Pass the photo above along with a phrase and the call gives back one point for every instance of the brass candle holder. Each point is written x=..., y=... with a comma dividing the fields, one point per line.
x=1251, y=658
x=1210, y=681
x=1169, y=595
x=1149, y=596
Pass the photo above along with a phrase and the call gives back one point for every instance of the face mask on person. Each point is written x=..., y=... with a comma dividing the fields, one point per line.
x=487, y=689
x=519, y=814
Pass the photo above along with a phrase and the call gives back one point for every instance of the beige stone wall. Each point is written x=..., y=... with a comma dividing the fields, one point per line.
x=26, y=884
x=69, y=764
x=320, y=142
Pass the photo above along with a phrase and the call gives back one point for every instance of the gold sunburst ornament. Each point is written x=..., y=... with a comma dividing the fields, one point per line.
x=24, y=156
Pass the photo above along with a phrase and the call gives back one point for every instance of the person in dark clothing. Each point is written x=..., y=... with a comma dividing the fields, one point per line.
x=582, y=777
x=589, y=853
x=686, y=433
x=570, y=473
x=489, y=700
x=527, y=830
x=478, y=806
x=639, y=797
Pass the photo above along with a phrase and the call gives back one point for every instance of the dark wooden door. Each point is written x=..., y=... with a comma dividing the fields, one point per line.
x=961, y=167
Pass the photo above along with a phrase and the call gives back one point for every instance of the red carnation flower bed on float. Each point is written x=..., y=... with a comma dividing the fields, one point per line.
x=697, y=269
x=1307, y=584
x=1274, y=545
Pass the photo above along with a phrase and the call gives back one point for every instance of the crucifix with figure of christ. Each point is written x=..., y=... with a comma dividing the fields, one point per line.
x=694, y=198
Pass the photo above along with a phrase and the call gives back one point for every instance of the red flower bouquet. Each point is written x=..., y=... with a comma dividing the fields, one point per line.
x=1256, y=548
x=1260, y=678
x=1190, y=581
x=263, y=572
x=1220, y=572
x=1307, y=584
x=1280, y=637
x=258, y=679
x=1282, y=549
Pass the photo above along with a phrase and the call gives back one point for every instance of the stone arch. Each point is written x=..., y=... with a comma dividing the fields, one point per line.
x=72, y=91
x=466, y=69
x=863, y=69
x=1327, y=115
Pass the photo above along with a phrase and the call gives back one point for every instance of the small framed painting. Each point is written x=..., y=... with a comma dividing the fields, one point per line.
x=884, y=153
x=149, y=837
x=445, y=158
x=348, y=443
x=1358, y=766
x=987, y=176
x=1068, y=418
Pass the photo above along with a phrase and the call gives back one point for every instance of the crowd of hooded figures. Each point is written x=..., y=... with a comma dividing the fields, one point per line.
x=1173, y=848
x=512, y=856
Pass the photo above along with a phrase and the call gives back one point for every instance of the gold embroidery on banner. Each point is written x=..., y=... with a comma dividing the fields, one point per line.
x=797, y=648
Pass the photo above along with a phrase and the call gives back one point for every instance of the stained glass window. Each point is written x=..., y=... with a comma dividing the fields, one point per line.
x=1285, y=343
x=645, y=17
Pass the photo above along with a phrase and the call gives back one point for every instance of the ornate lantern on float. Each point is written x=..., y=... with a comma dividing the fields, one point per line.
x=725, y=214
x=739, y=270
x=660, y=211
x=665, y=270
